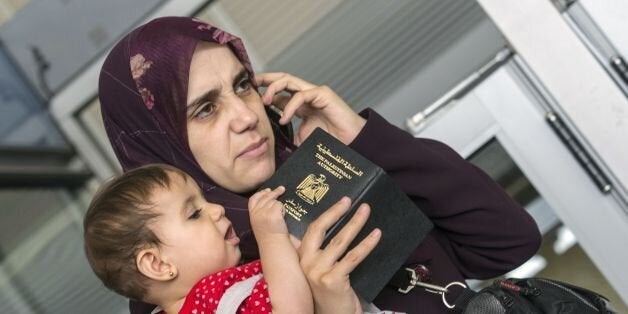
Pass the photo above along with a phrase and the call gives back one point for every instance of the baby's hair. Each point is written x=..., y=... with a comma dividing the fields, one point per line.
x=116, y=227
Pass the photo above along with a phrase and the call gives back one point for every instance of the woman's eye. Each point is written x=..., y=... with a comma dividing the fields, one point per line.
x=196, y=214
x=243, y=86
x=204, y=110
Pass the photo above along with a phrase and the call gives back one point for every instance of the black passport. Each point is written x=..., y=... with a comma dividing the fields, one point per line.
x=323, y=170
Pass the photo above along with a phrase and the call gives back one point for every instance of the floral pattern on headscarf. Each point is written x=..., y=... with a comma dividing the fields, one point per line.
x=147, y=97
x=139, y=66
x=223, y=37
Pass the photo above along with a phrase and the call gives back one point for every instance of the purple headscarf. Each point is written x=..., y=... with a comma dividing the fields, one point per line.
x=143, y=92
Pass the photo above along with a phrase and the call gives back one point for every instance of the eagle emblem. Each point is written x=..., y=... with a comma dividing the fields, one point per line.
x=312, y=189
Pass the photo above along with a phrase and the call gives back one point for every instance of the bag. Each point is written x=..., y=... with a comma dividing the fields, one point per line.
x=530, y=296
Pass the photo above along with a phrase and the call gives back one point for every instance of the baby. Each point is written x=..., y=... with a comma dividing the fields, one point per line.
x=150, y=235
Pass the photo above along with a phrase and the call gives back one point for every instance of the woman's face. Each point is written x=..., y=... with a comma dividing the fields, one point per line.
x=228, y=130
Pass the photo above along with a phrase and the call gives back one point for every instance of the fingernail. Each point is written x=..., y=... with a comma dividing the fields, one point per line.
x=375, y=233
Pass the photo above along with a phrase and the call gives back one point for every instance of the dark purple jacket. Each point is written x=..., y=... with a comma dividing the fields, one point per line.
x=480, y=232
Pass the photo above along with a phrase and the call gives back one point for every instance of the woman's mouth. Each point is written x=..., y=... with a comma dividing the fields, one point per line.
x=255, y=150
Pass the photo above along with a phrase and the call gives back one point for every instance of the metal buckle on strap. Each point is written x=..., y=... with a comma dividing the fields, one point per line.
x=414, y=278
x=416, y=282
x=414, y=275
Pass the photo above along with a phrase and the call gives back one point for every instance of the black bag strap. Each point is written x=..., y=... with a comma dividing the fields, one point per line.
x=532, y=295
x=463, y=299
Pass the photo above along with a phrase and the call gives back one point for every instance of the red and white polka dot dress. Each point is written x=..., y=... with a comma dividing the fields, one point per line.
x=205, y=296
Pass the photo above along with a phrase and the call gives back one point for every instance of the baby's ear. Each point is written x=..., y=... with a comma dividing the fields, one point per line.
x=150, y=263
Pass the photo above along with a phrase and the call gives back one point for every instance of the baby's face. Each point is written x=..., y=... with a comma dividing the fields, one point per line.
x=195, y=235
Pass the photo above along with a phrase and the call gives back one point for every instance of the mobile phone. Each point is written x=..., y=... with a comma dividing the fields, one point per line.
x=274, y=114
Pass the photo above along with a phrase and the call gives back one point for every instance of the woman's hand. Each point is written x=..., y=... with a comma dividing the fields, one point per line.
x=328, y=277
x=317, y=106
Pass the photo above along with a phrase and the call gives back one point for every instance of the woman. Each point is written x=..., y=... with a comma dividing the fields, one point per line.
x=169, y=95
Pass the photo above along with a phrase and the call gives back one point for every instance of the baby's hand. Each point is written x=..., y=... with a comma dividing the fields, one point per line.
x=266, y=213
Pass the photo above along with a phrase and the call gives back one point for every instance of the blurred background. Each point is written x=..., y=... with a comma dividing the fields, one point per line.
x=534, y=93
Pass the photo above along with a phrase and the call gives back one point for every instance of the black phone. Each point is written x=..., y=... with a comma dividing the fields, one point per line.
x=274, y=115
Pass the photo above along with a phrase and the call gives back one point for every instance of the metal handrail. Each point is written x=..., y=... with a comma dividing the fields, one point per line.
x=417, y=122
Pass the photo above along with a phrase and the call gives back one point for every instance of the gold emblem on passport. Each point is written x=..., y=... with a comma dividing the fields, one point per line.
x=312, y=189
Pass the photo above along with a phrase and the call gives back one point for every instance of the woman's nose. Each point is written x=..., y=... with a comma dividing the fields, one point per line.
x=243, y=117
